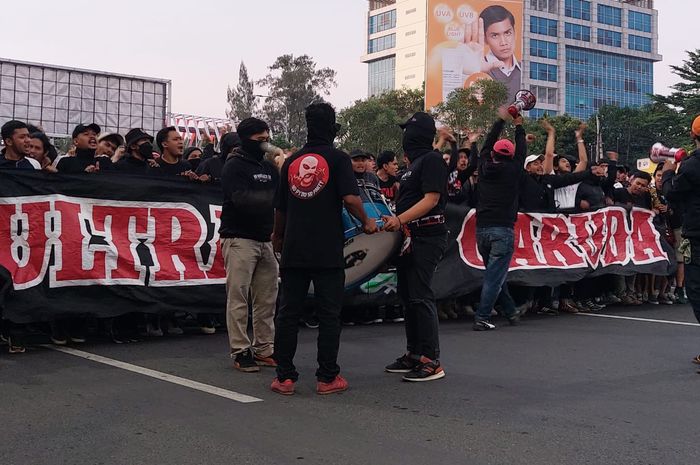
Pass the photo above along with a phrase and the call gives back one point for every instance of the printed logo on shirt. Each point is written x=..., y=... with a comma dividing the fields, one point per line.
x=308, y=175
x=262, y=177
x=406, y=175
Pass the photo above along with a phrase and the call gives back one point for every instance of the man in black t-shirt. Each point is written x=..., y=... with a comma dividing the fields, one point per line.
x=387, y=172
x=15, y=155
x=171, y=146
x=420, y=209
x=210, y=169
x=636, y=194
x=315, y=182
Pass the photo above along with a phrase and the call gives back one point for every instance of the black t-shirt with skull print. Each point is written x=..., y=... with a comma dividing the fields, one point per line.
x=313, y=183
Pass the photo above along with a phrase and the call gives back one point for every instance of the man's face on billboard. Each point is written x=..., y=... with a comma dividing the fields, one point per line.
x=500, y=38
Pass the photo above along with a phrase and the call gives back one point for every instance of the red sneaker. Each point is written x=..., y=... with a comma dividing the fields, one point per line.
x=286, y=387
x=339, y=384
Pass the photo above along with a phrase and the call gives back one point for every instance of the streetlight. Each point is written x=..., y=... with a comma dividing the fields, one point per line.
x=284, y=106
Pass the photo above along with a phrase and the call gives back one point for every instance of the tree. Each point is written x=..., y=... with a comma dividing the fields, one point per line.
x=373, y=124
x=566, y=143
x=370, y=125
x=472, y=108
x=292, y=84
x=686, y=95
x=241, y=101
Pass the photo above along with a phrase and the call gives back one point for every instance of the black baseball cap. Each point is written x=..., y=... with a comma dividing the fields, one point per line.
x=359, y=154
x=420, y=120
x=81, y=128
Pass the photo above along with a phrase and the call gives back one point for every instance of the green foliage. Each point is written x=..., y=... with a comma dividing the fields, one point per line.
x=686, y=95
x=293, y=83
x=566, y=143
x=473, y=108
x=373, y=124
x=241, y=100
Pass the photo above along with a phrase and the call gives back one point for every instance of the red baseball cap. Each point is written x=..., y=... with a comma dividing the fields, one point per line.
x=504, y=147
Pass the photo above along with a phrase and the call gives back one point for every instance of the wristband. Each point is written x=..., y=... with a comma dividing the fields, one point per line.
x=580, y=141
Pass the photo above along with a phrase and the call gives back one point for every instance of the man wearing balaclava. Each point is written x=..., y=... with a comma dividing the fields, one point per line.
x=420, y=212
x=250, y=183
x=210, y=169
x=315, y=183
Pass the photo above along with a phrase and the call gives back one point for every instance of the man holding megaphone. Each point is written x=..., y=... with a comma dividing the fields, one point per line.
x=681, y=188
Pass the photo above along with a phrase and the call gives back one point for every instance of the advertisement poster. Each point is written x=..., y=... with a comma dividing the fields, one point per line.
x=470, y=40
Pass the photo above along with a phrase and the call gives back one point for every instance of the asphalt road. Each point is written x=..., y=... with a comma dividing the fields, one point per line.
x=556, y=390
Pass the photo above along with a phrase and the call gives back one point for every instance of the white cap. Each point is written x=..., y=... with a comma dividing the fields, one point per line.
x=532, y=158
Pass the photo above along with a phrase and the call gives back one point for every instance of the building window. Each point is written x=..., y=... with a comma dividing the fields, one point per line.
x=577, y=32
x=610, y=15
x=543, y=72
x=610, y=38
x=410, y=55
x=595, y=79
x=382, y=75
x=580, y=9
x=548, y=95
x=641, y=44
x=543, y=49
x=544, y=26
x=537, y=113
x=409, y=76
x=381, y=43
x=550, y=6
x=382, y=22
x=639, y=21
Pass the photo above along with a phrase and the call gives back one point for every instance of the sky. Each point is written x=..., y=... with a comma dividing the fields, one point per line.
x=200, y=45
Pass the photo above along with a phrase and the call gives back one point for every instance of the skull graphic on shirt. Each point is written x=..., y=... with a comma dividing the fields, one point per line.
x=308, y=175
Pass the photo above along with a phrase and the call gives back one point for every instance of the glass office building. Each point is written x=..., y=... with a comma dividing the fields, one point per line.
x=58, y=98
x=578, y=55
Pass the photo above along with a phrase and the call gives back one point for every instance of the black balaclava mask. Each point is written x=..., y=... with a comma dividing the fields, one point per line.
x=321, y=125
x=247, y=129
x=417, y=140
x=194, y=163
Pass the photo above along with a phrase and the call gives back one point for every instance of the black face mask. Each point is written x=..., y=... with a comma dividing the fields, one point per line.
x=146, y=150
x=194, y=163
x=253, y=148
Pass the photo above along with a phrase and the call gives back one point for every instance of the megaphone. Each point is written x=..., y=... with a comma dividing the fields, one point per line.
x=524, y=101
x=660, y=153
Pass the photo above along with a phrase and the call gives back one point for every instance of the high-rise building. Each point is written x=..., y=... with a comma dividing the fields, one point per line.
x=578, y=55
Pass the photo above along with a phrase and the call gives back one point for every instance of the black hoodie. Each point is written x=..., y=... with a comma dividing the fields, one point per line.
x=249, y=187
x=426, y=173
x=313, y=183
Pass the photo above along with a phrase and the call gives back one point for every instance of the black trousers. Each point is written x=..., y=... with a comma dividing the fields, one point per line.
x=692, y=277
x=329, y=287
x=415, y=275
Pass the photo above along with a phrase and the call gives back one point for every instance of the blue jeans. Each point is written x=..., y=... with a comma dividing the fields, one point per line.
x=496, y=247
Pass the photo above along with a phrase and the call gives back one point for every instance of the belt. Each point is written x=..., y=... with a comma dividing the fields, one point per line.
x=427, y=221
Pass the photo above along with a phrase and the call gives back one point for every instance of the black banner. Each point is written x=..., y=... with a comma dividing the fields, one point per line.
x=109, y=244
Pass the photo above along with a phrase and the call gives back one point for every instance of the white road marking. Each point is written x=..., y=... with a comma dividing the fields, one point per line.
x=648, y=320
x=158, y=375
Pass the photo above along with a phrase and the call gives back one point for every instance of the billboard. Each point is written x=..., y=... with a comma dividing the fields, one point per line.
x=470, y=40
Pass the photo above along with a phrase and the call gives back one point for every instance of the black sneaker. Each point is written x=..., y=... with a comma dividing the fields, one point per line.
x=245, y=362
x=394, y=314
x=59, y=333
x=311, y=322
x=403, y=364
x=483, y=325
x=426, y=370
x=514, y=320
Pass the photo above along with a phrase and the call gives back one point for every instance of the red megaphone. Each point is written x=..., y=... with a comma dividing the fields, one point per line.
x=524, y=101
x=661, y=153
